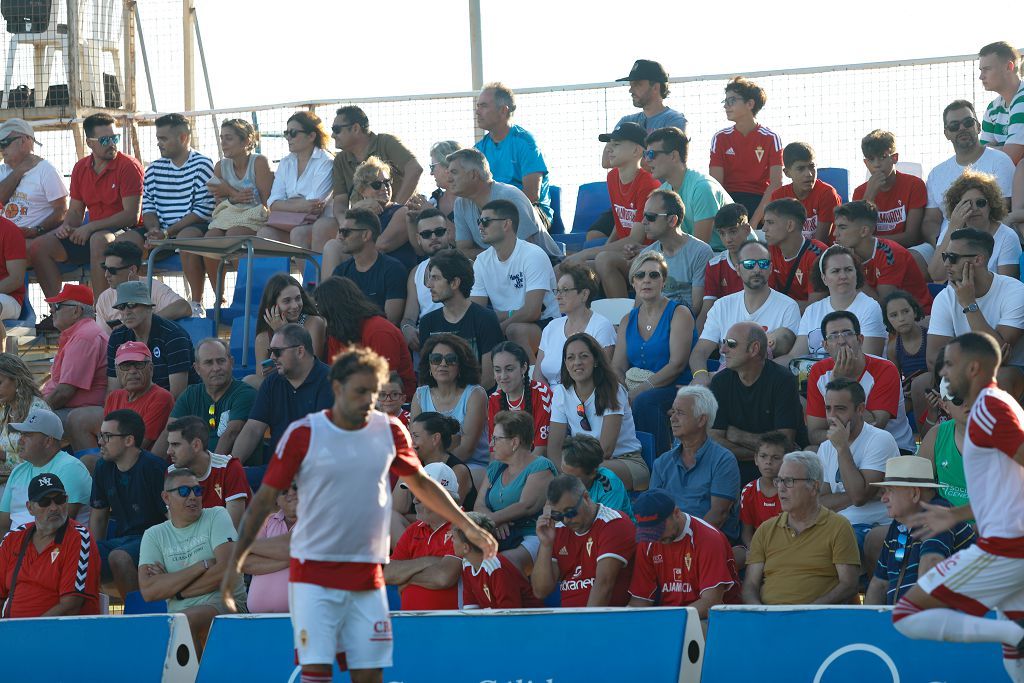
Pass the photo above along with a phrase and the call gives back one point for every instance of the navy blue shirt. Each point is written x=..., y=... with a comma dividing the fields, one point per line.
x=278, y=403
x=715, y=473
x=171, y=348
x=133, y=496
x=383, y=281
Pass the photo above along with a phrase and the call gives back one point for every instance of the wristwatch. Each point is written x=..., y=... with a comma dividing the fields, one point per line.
x=971, y=309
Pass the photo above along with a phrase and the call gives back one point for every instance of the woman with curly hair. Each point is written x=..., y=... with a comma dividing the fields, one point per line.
x=285, y=301
x=18, y=395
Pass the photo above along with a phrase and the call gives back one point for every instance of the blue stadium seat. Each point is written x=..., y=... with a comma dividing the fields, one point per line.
x=838, y=178
x=647, y=448
x=557, y=226
x=591, y=202
x=572, y=241
x=134, y=604
x=198, y=329
x=394, y=598
x=170, y=264
x=1020, y=265
x=237, y=328
x=28, y=314
x=309, y=272
x=262, y=270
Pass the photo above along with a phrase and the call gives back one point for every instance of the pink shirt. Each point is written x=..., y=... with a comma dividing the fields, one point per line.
x=84, y=344
x=269, y=592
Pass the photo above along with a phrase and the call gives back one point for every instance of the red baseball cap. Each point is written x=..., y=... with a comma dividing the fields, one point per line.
x=132, y=351
x=79, y=293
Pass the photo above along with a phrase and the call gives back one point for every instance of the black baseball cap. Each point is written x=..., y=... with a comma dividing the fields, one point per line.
x=646, y=70
x=626, y=131
x=44, y=484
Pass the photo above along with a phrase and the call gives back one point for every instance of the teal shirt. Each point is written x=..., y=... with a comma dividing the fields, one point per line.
x=608, y=490
x=500, y=496
x=702, y=196
x=72, y=473
x=234, y=405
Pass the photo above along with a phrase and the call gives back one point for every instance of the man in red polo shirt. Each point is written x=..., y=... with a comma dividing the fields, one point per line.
x=424, y=565
x=50, y=567
x=79, y=374
x=221, y=476
x=690, y=561
x=793, y=255
x=899, y=197
x=108, y=185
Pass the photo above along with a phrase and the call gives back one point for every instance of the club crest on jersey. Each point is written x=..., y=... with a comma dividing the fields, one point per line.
x=688, y=560
x=759, y=153
x=800, y=276
x=590, y=545
x=219, y=490
x=53, y=555
x=447, y=535
x=487, y=592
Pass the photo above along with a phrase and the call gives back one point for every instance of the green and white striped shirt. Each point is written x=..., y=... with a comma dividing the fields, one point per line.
x=1002, y=124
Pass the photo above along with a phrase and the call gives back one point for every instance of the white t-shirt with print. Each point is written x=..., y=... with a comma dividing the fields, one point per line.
x=505, y=283
x=30, y=204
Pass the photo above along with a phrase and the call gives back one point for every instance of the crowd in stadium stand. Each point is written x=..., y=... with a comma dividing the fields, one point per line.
x=755, y=422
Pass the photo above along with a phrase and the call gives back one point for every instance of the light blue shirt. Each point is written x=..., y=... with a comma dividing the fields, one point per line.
x=669, y=117
x=714, y=474
x=702, y=196
x=69, y=469
x=515, y=157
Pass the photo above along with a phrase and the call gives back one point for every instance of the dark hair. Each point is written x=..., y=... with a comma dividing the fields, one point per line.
x=129, y=423
x=796, y=151
x=365, y=218
x=296, y=335
x=454, y=264
x=978, y=239
x=311, y=123
x=429, y=212
x=245, y=132
x=583, y=452
x=482, y=521
x=984, y=183
x=672, y=203
x=275, y=285
x=606, y=384
x=174, y=121
x=505, y=210
x=957, y=104
x=979, y=345
x=359, y=359
x=519, y=353
x=748, y=90
x=840, y=315
x=673, y=139
x=129, y=253
x=436, y=423
x=518, y=424
x=1003, y=50
x=877, y=143
x=191, y=427
x=851, y=386
x=731, y=215
x=563, y=484
x=344, y=307
x=94, y=121
x=788, y=208
x=469, y=366
x=859, y=211
x=583, y=279
x=818, y=273
x=354, y=114
x=776, y=438
x=898, y=295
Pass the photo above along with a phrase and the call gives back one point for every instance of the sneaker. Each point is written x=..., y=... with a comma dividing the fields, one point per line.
x=197, y=310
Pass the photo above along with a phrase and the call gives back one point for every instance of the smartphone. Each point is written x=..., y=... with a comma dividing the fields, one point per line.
x=267, y=364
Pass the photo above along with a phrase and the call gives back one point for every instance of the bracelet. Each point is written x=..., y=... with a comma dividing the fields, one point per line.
x=697, y=372
x=179, y=596
x=407, y=324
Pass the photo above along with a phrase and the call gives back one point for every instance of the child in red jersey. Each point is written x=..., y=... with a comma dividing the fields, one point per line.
x=819, y=198
x=490, y=584
x=759, y=500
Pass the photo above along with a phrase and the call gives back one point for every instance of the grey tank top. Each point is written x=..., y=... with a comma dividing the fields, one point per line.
x=227, y=171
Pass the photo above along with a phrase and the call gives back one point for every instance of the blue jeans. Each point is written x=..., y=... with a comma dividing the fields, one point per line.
x=649, y=415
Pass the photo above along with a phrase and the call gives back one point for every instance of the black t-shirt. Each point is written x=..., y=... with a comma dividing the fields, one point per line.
x=133, y=496
x=171, y=348
x=479, y=327
x=383, y=281
x=771, y=403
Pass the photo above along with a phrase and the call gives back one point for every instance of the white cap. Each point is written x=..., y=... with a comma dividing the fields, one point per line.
x=443, y=475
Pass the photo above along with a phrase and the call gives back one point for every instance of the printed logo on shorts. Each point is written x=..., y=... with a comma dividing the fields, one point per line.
x=303, y=637
x=381, y=631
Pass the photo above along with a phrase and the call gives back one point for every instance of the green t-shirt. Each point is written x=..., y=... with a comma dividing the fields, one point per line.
x=702, y=196
x=235, y=404
x=177, y=549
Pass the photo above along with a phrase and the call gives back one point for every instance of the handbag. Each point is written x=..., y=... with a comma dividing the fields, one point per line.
x=286, y=220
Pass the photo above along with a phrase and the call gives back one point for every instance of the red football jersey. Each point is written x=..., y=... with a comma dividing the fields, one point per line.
x=755, y=507
x=224, y=481
x=497, y=584
x=746, y=159
x=419, y=540
x=540, y=410
x=611, y=535
x=880, y=379
x=909, y=192
x=800, y=287
x=720, y=277
x=892, y=264
x=628, y=199
x=820, y=205
x=700, y=559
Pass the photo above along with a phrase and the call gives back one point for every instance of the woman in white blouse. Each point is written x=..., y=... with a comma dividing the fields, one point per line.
x=303, y=181
x=576, y=288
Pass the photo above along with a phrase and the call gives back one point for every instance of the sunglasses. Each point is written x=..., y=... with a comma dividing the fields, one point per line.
x=436, y=232
x=292, y=134
x=338, y=129
x=762, y=263
x=731, y=343
x=650, y=154
x=378, y=184
x=4, y=144
x=345, y=233
x=901, y=551
x=114, y=270
x=641, y=274
x=979, y=203
x=448, y=358
x=651, y=217
x=276, y=351
x=108, y=140
x=953, y=258
x=131, y=306
x=581, y=412
x=484, y=222
x=967, y=124
x=61, y=305
x=127, y=365
x=183, y=491
x=567, y=513
x=213, y=409
x=46, y=502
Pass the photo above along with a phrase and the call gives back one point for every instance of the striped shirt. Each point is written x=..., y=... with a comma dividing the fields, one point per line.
x=171, y=192
x=1003, y=125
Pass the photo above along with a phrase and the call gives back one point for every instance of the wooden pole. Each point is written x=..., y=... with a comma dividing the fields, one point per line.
x=188, y=6
x=129, y=85
x=73, y=58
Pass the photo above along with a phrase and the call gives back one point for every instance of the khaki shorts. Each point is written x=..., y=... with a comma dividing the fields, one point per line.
x=638, y=469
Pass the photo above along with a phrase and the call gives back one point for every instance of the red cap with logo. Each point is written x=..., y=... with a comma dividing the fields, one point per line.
x=79, y=293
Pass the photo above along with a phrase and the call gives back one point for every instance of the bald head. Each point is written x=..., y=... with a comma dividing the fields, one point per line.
x=750, y=333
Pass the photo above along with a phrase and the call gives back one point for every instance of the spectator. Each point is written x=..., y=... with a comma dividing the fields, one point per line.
x=979, y=300
x=241, y=184
x=51, y=588
x=888, y=265
x=653, y=347
x=589, y=400
x=975, y=201
x=391, y=399
x=221, y=476
x=285, y=301
x=434, y=234
x=900, y=198
x=808, y=553
x=79, y=374
x=299, y=387
x=471, y=181
x=378, y=275
x=1016, y=216
x=514, y=277
x=576, y=289
x=818, y=198
x=18, y=395
x=31, y=189
x=1001, y=127
x=423, y=564
x=793, y=256
x=648, y=87
x=40, y=434
x=583, y=458
x=12, y=270
x=515, y=392
x=908, y=483
x=759, y=499
x=432, y=436
x=357, y=143
x=128, y=483
x=450, y=278
x=908, y=338
x=122, y=262
x=754, y=396
x=176, y=201
x=117, y=208
x=776, y=313
x=302, y=184
x=721, y=275
x=839, y=273
x=878, y=377
x=268, y=560
x=451, y=377
x=746, y=157
x=944, y=447
x=960, y=126
x=183, y=559
x=687, y=558
x=440, y=199
x=490, y=584
x=593, y=564
x=352, y=319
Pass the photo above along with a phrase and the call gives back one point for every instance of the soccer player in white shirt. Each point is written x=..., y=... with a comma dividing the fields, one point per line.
x=340, y=460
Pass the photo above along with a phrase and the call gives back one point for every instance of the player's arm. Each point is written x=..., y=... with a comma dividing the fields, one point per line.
x=934, y=519
x=607, y=574
x=263, y=504
x=849, y=576
x=430, y=493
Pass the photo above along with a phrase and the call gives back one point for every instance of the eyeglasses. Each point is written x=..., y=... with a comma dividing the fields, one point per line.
x=495, y=437
x=213, y=409
x=435, y=164
x=901, y=550
x=131, y=306
x=484, y=221
x=567, y=513
x=581, y=412
x=729, y=101
x=391, y=395
x=58, y=499
x=276, y=351
x=378, y=184
x=761, y=263
x=731, y=343
x=436, y=232
x=338, y=128
x=836, y=336
x=641, y=274
x=114, y=270
x=4, y=144
x=953, y=258
x=183, y=491
x=651, y=217
x=104, y=437
x=448, y=358
x=967, y=124
x=345, y=233
x=788, y=481
x=650, y=154
x=108, y=140
x=564, y=290
x=292, y=134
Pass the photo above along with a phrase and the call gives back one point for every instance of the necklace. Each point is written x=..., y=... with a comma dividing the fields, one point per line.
x=650, y=317
x=518, y=405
